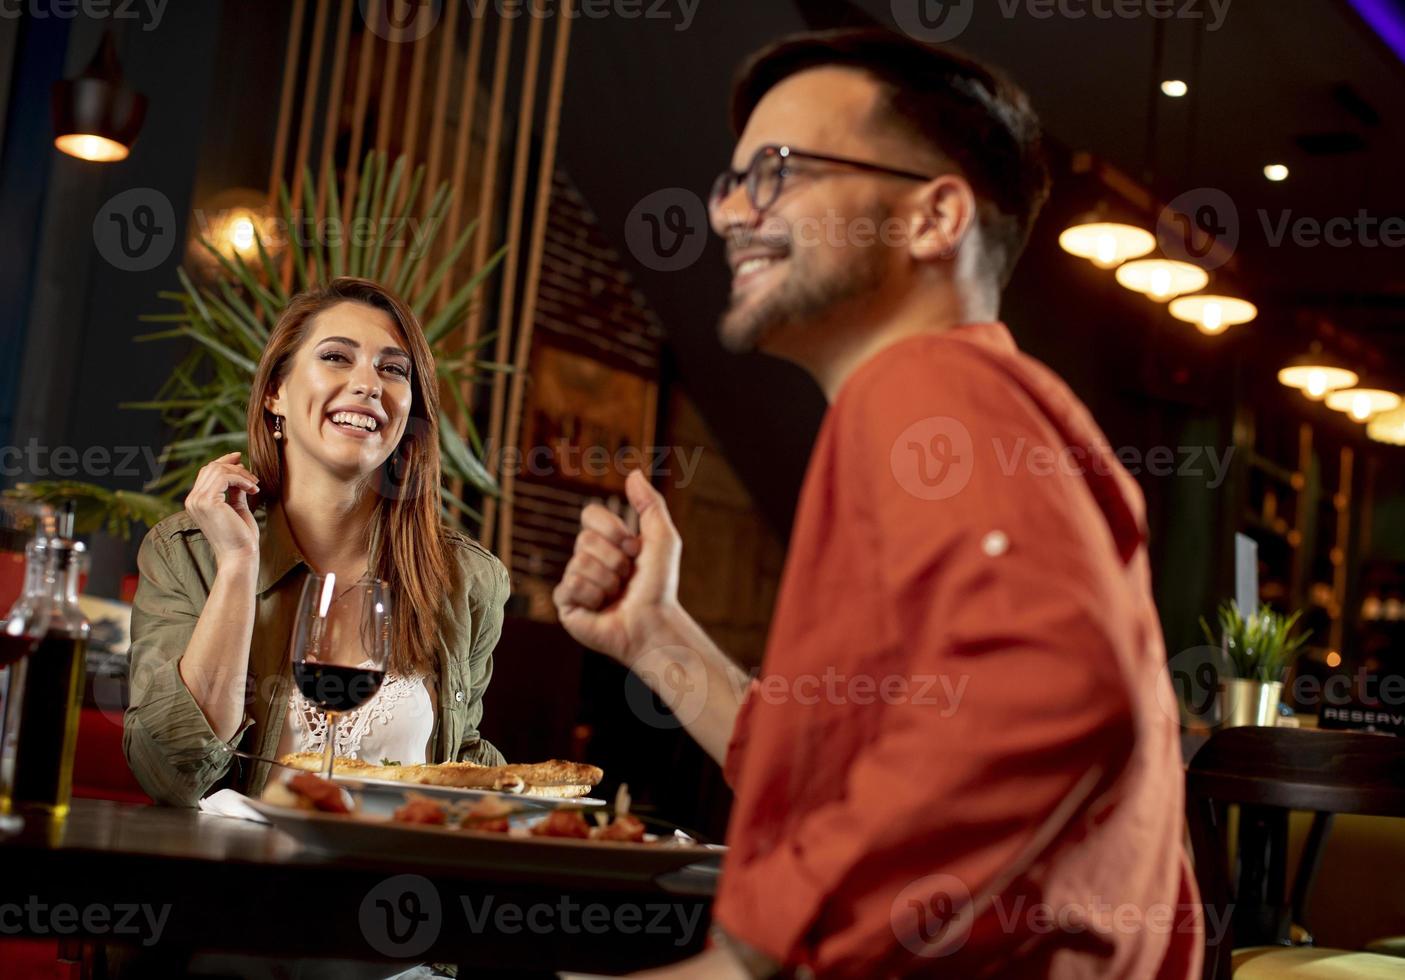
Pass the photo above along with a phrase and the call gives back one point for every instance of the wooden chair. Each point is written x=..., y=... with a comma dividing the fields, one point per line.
x=1269, y=772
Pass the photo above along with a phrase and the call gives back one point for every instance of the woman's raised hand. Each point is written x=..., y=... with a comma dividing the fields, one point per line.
x=219, y=504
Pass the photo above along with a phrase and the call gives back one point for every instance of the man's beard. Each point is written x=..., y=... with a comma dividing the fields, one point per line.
x=806, y=296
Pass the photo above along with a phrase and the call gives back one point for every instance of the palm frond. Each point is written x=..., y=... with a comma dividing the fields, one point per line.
x=226, y=322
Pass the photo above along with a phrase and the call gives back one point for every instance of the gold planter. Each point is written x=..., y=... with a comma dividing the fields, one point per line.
x=1249, y=702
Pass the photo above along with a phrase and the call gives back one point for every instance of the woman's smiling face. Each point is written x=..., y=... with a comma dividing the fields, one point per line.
x=346, y=396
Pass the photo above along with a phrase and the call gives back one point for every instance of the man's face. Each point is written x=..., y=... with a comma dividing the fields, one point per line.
x=831, y=240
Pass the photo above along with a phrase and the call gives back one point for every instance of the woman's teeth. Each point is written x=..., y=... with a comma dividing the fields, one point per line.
x=355, y=419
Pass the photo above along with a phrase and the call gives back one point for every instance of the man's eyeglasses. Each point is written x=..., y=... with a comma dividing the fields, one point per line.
x=770, y=167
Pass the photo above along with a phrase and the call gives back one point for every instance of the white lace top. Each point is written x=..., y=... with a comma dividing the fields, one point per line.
x=396, y=724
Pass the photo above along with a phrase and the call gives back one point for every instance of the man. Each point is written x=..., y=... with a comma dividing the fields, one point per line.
x=954, y=762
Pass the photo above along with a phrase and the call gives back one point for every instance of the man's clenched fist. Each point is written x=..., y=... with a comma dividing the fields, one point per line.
x=619, y=586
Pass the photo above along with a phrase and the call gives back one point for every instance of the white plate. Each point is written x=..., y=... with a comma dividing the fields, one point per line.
x=384, y=796
x=371, y=836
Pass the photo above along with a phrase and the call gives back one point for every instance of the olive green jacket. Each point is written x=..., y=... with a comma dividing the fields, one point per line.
x=169, y=744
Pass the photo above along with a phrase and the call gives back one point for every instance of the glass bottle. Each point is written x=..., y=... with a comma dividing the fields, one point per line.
x=45, y=694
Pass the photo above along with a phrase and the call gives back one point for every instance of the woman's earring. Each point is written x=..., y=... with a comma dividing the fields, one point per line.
x=278, y=427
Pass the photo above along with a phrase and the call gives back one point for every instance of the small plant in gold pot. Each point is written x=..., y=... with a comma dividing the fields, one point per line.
x=1259, y=648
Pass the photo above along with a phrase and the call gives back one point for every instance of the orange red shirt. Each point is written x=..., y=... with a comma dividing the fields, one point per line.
x=959, y=758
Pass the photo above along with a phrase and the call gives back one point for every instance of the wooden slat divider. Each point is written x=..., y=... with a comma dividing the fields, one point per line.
x=477, y=170
x=545, y=169
x=468, y=106
x=311, y=87
x=487, y=198
x=332, y=119
x=358, y=127
x=409, y=145
x=444, y=68
x=526, y=112
x=285, y=99
x=386, y=109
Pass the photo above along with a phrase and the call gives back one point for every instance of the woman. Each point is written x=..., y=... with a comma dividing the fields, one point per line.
x=343, y=427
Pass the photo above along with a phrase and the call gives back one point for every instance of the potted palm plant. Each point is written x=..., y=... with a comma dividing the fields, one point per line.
x=226, y=323
x=1258, y=649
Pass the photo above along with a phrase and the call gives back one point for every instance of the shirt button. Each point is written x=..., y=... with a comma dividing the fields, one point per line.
x=458, y=696
x=995, y=544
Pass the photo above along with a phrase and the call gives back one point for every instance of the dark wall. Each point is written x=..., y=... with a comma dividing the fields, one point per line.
x=25, y=156
x=644, y=114
x=645, y=111
x=73, y=297
x=1149, y=381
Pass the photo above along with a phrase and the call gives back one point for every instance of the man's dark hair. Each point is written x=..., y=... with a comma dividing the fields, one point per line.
x=971, y=115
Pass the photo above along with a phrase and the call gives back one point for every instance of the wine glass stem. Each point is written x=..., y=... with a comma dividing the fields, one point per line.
x=330, y=752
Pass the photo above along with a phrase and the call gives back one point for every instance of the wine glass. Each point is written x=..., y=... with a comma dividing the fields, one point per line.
x=341, y=645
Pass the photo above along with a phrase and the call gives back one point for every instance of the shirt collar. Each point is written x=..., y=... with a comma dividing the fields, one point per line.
x=993, y=335
x=278, y=553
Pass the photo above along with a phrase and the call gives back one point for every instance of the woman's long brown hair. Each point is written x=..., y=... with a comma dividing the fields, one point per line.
x=409, y=544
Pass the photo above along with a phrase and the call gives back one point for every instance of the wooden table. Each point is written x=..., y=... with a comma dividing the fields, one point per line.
x=164, y=883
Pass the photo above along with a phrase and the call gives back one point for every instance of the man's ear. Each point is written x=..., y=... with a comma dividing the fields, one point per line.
x=943, y=214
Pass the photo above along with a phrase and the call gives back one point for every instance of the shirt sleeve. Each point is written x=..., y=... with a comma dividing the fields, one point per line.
x=487, y=600
x=169, y=744
x=741, y=730
x=1006, y=612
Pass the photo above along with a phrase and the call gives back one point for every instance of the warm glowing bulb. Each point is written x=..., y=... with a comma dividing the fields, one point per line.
x=1214, y=314
x=1212, y=319
x=1317, y=380
x=1175, y=88
x=1363, y=403
x=241, y=235
x=86, y=146
x=1334, y=659
x=1107, y=244
x=1161, y=283
x=1106, y=250
x=1276, y=172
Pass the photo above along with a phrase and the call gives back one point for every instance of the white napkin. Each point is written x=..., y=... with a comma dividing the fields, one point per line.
x=228, y=803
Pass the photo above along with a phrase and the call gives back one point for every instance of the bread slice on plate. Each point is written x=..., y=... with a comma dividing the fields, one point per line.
x=555, y=778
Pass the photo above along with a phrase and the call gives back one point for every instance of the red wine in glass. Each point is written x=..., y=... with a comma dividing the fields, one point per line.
x=340, y=647
x=333, y=687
